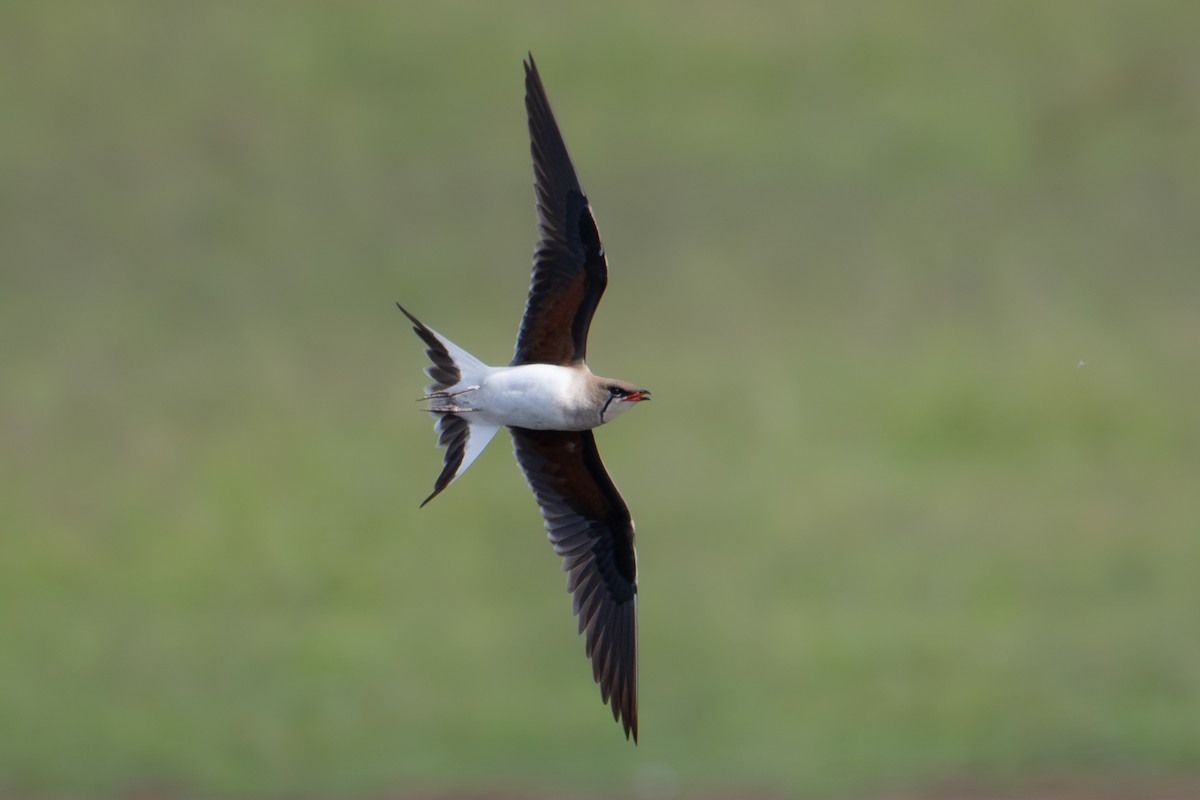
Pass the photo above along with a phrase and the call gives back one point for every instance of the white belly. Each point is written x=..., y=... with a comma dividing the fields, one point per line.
x=537, y=396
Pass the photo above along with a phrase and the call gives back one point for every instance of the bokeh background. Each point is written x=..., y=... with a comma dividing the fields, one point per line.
x=916, y=288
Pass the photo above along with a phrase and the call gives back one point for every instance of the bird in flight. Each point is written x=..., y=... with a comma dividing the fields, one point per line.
x=550, y=401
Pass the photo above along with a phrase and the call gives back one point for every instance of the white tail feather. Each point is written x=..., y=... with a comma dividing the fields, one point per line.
x=472, y=370
x=450, y=404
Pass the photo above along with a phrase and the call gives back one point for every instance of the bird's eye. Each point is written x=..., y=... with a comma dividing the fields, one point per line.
x=616, y=391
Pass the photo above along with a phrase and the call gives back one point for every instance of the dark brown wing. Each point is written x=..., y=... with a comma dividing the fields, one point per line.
x=569, y=270
x=589, y=526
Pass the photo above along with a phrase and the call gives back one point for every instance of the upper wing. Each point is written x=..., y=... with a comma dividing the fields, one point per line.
x=569, y=270
x=589, y=526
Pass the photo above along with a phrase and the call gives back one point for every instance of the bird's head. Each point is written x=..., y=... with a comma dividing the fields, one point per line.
x=619, y=397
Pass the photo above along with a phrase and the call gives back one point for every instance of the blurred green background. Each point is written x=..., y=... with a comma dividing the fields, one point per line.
x=916, y=288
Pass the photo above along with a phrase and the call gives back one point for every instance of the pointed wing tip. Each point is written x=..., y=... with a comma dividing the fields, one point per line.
x=628, y=719
x=619, y=691
x=533, y=80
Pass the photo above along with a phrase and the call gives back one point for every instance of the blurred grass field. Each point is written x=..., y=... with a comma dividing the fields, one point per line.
x=917, y=291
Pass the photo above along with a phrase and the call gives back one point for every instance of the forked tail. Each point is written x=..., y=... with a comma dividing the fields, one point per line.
x=456, y=374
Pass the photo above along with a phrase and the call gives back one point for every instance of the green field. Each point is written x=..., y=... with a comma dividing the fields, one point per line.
x=917, y=290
